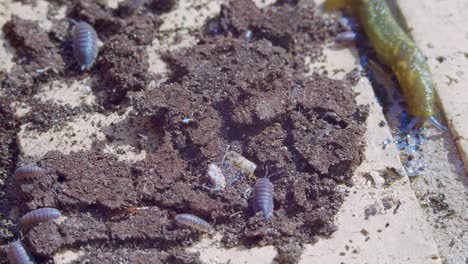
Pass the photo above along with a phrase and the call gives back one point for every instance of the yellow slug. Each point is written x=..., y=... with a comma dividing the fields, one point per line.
x=398, y=51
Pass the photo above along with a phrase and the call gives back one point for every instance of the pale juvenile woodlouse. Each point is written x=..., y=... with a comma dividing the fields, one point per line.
x=28, y=172
x=85, y=43
x=247, y=38
x=37, y=216
x=217, y=179
x=263, y=197
x=194, y=222
x=16, y=254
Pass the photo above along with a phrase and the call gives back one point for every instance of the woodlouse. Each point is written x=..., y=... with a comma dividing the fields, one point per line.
x=194, y=222
x=263, y=197
x=37, y=216
x=28, y=172
x=16, y=254
x=85, y=44
x=216, y=176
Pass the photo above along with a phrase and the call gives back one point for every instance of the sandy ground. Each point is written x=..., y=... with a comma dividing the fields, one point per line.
x=403, y=229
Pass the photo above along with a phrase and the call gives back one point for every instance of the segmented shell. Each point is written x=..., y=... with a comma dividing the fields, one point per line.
x=263, y=197
x=85, y=44
x=28, y=172
x=38, y=216
x=194, y=222
x=16, y=254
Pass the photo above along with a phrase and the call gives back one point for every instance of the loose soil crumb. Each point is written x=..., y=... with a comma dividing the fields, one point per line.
x=306, y=132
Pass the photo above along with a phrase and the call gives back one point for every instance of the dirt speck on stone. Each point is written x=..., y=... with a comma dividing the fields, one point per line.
x=370, y=210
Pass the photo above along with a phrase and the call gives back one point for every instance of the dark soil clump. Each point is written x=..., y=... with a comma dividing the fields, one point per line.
x=304, y=133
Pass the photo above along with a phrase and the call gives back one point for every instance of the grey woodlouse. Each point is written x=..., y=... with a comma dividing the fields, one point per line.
x=38, y=216
x=28, y=172
x=194, y=222
x=85, y=44
x=263, y=197
x=16, y=254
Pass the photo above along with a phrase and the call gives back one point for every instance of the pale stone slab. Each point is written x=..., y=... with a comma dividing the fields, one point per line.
x=440, y=28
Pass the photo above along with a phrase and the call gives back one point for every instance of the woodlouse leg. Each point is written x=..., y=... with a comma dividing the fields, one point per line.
x=346, y=38
x=225, y=153
x=437, y=124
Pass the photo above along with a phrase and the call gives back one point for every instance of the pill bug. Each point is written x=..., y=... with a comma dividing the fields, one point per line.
x=38, y=216
x=16, y=254
x=216, y=176
x=28, y=172
x=262, y=199
x=85, y=44
x=194, y=222
x=396, y=49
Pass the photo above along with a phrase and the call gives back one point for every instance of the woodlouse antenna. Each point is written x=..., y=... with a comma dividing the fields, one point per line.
x=437, y=124
x=225, y=153
x=273, y=174
x=71, y=20
x=416, y=120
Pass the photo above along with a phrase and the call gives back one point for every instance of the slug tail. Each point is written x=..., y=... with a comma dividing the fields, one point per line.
x=437, y=124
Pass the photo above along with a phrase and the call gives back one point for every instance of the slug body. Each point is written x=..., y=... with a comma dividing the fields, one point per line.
x=85, y=44
x=16, y=254
x=263, y=197
x=28, y=172
x=38, y=216
x=194, y=222
x=398, y=51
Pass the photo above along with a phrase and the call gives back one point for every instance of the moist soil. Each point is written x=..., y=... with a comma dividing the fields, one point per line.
x=226, y=93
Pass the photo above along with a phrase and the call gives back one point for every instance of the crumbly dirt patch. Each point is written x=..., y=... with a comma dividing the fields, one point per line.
x=304, y=133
